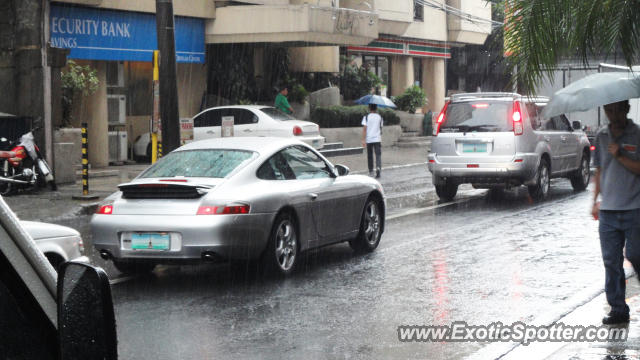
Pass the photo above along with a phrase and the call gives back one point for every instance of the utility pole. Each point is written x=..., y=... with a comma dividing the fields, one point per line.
x=169, y=114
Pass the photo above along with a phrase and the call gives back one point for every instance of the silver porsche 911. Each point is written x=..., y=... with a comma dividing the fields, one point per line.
x=238, y=198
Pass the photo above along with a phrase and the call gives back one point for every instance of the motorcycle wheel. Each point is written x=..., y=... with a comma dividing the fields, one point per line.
x=5, y=187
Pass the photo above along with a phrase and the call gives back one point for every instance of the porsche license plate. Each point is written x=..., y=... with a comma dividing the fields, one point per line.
x=150, y=241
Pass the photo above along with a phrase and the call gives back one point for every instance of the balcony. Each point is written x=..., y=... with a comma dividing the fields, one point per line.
x=297, y=25
x=467, y=32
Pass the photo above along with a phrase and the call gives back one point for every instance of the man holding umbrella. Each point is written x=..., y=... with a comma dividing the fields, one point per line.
x=372, y=138
x=372, y=131
x=617, y=180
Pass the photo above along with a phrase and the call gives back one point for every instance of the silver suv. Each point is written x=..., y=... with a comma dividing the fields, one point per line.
x=499, y=140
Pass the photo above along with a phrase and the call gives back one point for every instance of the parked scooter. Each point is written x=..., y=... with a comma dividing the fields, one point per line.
x=23, y=166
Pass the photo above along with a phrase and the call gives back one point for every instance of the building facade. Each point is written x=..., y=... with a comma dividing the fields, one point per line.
x=404, y=42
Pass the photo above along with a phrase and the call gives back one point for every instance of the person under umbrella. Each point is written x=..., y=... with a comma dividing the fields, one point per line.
x=372, y=138
x=617, y=182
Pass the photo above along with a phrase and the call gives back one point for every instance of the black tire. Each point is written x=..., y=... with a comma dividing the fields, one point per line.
x=6, y=188
x=447, y=191
x=282, y=252
x=134, y=267
x=580, y=178
x=370, y=232
x=148, y=152
x=52, y=185
x=540, y=190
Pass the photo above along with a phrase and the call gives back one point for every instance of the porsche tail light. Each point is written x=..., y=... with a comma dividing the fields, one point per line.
x=518, y=127
x=440, y=119
x=297, y=130
x=105, y=210
x=224, y=210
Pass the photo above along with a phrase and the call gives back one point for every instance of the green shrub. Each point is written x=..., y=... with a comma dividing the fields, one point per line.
x=413, y=98
x=297, y=94
x=357, y=81
x=348, y=116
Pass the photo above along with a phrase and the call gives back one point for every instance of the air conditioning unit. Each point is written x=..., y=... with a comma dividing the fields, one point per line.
x=117, y=109
x=118, y=146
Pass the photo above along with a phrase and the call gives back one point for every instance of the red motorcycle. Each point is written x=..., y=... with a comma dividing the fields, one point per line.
x=23, y=166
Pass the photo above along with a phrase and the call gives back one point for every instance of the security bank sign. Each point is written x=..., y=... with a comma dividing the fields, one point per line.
x=96, y=34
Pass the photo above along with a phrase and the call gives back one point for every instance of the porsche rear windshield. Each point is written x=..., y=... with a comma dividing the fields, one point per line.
x=212, y=163
x=277, y=114
x=478, y=116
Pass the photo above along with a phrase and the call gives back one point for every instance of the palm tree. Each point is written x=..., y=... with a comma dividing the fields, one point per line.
x=539, y=33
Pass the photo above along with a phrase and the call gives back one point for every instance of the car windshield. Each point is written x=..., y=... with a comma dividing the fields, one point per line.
x=277, y=114
x=213, y=163
x=478, y=116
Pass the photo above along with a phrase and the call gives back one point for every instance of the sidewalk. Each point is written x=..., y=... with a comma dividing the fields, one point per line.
x=590, y=313
x=45, y=205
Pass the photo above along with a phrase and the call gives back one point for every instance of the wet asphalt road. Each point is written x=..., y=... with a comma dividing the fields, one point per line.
x=480, y=260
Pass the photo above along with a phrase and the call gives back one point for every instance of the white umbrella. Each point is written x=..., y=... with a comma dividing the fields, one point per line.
x=593, y=91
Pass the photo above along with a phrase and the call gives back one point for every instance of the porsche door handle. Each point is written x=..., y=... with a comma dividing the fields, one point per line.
x=313, y=196
x=246, y=130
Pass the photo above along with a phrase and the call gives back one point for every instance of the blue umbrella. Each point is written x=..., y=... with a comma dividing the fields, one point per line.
x=381, y=101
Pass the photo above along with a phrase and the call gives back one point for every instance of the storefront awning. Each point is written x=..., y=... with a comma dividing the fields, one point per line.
x=405, y=47
x=98, y=34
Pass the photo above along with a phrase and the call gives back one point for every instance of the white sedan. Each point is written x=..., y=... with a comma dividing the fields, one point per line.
x=248, y=120
x=255, y=120
x=58, y=243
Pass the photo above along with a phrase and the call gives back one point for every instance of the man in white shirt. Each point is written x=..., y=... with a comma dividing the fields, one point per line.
x=371, y=138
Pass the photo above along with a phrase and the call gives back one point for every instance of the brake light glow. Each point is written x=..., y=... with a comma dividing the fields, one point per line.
x=297, y=130
x=431, y=161
x=105, y=210
x=223, y=210
x=480, y=106
x=518, y=160
x=473, y=165
x=518, y=127
x=440, y=119
x=592, y=148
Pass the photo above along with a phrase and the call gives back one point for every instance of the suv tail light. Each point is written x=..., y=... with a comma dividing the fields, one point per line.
x=518, y=126
x=297, y=130
x=440, y=119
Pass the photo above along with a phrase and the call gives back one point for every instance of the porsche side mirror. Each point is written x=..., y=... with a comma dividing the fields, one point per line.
x=576, y=124
x=342, y=170
x=86, y=321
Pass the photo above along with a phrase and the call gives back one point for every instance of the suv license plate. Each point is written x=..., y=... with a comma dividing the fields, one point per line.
x=474, y=148
x=150, y=241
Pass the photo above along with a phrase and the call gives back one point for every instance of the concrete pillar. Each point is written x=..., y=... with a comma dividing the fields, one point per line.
x=433, y=83
x=401, y=74
x=93, y=111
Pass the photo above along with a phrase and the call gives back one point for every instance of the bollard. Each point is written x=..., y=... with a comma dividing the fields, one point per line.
x=85, y=167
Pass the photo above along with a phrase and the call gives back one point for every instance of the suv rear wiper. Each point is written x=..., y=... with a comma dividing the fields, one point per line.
x=479, y=127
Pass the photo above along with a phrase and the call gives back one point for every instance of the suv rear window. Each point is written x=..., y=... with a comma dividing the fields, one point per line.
x=478, y=116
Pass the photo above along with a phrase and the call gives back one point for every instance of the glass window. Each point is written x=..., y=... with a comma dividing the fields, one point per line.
x=480, y=116
x=209, y=118
x=306, y=164
x=214, y=163
x=561, y=123
x=241, y=116
x=418, y=11
x=276, y=168
x=276, y=114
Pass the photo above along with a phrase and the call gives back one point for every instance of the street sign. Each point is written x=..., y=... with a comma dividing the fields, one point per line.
x=186, y=130
x=227, y=126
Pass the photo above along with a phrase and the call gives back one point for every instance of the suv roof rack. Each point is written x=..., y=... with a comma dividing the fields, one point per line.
x=472, y=96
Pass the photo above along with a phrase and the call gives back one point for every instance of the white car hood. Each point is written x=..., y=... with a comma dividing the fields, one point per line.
x=40, y=230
